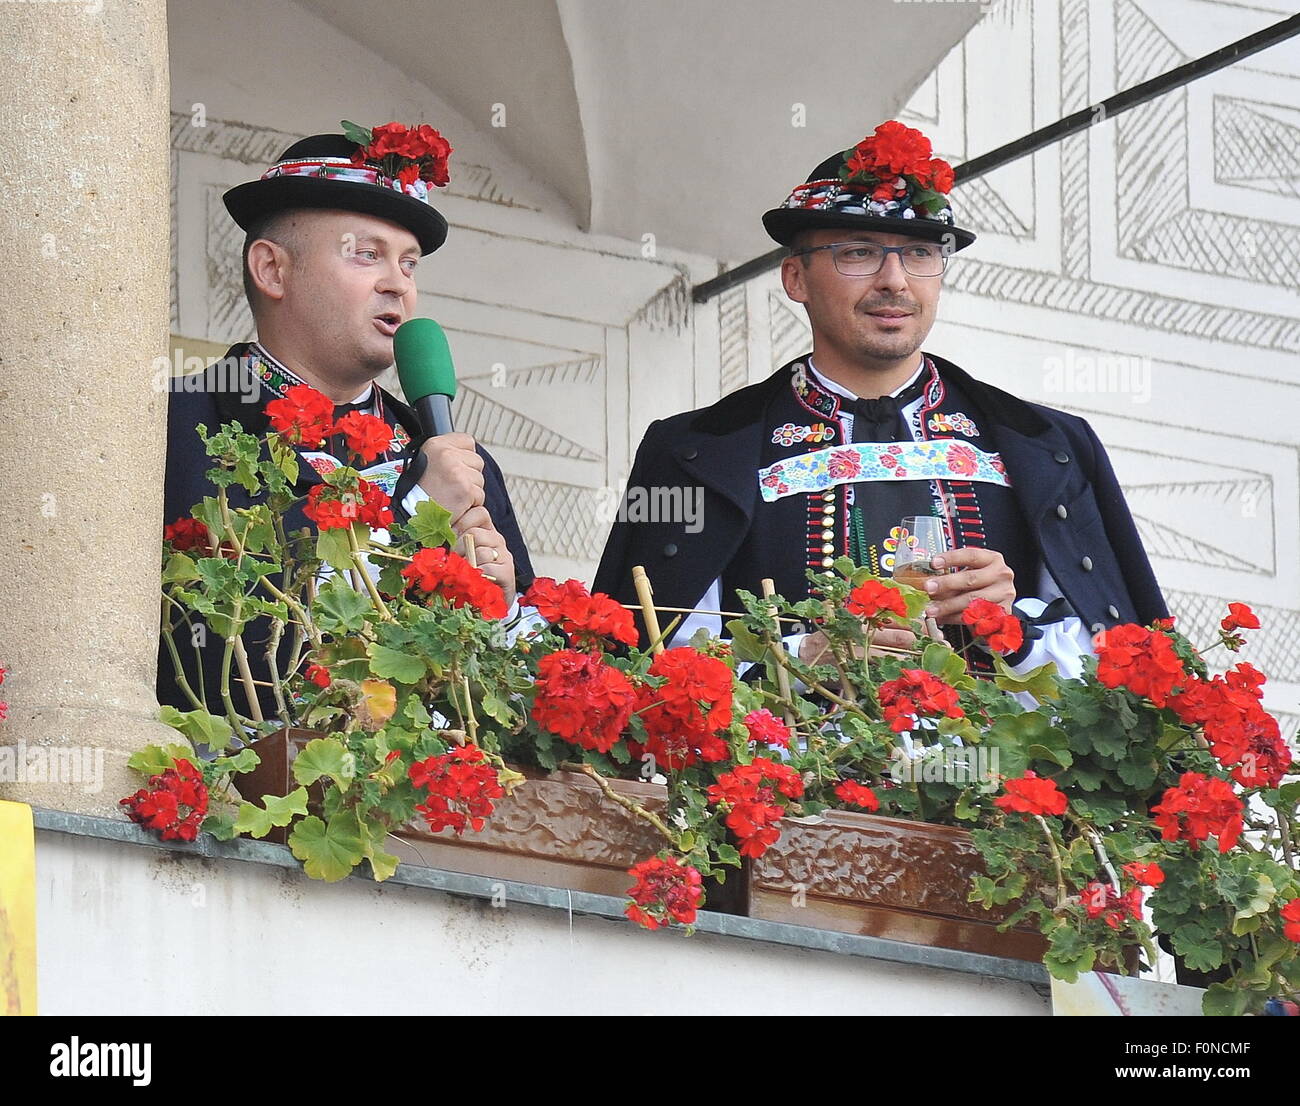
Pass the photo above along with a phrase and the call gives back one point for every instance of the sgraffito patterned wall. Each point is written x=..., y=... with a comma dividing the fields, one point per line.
x=1143, y=274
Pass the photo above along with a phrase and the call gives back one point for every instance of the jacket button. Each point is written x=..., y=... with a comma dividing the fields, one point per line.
x=1061, y=512
x=1113, y=611
x=670, y=550
x=1061, y=457
x=1086, y=563
x=690, y=454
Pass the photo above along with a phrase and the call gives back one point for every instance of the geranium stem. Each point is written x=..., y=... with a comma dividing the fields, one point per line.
x=627, y=804
x=359, y=561
x=1056, y=860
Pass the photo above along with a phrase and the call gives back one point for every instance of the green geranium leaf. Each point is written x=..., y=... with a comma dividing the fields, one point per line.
x=275, y=811
x=390, y=664
x=179, y=569
x=340, y=608
x=745, y=644
x=200, y=727
x=154, y=759
x=324, y=756
x=1199, y=946
x=332, y=548
x=1224, y=1001
x=221, y=826
x=431, y=525
x=1068, y=954
x=328, y=851
x=1038, y=682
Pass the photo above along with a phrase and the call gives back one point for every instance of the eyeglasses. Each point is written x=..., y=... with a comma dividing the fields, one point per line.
x=867, y=258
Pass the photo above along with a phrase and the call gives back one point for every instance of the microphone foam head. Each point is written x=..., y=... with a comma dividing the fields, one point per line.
x=423, y=358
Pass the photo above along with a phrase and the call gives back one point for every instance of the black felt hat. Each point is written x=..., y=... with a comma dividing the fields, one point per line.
x=321, y=172
x=888, y=182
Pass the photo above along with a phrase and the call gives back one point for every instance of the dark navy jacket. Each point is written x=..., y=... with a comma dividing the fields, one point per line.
x=1058, y=469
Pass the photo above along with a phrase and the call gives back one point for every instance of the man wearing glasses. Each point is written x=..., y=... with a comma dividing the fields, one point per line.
x=827, y=456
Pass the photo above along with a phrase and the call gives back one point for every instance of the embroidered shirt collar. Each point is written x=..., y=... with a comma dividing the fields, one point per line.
x=271, y=368
x=838, y=389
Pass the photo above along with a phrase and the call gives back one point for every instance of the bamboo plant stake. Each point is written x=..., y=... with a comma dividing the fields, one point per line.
x=782, y=676
x=645, y=593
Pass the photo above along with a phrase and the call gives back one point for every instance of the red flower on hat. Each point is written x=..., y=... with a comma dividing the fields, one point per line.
x=406, y=153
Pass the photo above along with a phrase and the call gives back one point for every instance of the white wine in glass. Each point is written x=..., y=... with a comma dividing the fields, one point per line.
x=921, y=539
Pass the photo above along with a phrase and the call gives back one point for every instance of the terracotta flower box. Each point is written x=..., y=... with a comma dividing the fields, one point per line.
x=882, y=877
x=557, y=829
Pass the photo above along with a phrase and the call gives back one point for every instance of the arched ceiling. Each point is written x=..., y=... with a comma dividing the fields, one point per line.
x=684, y=119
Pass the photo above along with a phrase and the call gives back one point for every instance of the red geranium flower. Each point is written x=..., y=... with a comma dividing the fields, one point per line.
x=366, y=435
x=684, y=716
x=1240, y=617
x=586, y=618
x=988, y=620
x=893, y=148
x=849, y=791
x=1291, y=916
x=318, y=674
x=765, y=728
x=748, y=794
x=666, y=891
x=1199, y=806
x=1242, y=735
x=1031, y=795
x=874, y=597
x=174, y=804
x=332, y=508
x=1152, y=875
x=441, y=572
x=1101, y=900
x=582, y=699
x=188, y=534
x=1141, y=660
x=914, y=694
x=461, y=787
x=303, y=417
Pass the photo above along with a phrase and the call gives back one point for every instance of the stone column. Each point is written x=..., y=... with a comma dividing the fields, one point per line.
x=83, y=312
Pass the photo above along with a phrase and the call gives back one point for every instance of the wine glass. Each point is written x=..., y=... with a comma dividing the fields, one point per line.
x=921, y=538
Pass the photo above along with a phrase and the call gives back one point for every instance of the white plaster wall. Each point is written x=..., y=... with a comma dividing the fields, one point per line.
x=232, y=938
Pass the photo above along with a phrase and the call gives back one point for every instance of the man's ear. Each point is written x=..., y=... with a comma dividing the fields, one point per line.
x=268, y=266
x=792, y=279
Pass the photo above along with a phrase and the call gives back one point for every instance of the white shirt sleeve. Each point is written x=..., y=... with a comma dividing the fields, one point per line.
x=414, y=498
x=1064, y=643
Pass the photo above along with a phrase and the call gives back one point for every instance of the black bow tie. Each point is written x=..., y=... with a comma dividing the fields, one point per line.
x=366, y=407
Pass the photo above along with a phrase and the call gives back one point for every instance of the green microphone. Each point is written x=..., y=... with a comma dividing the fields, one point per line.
x=426, y=373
